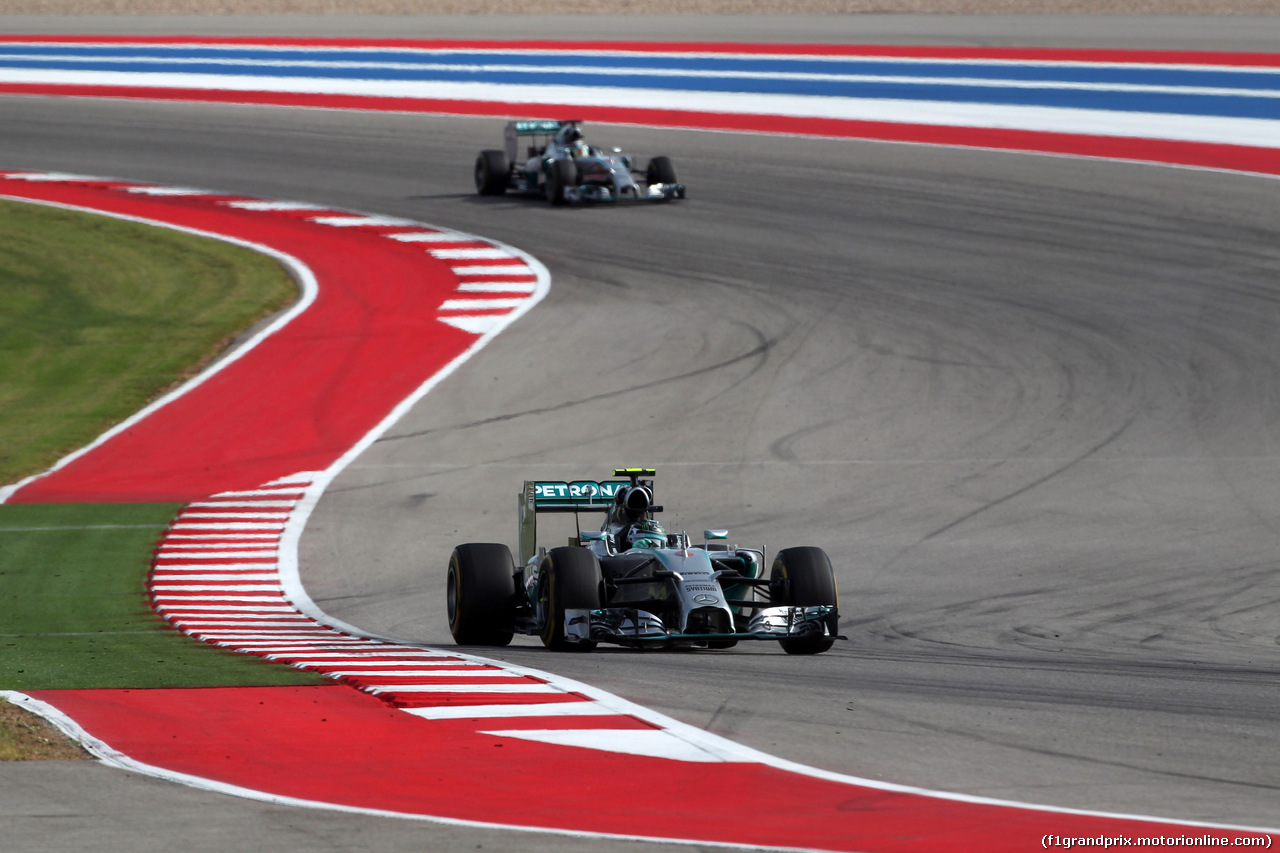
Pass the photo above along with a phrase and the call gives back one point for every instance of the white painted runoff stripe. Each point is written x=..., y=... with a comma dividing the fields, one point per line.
x=426, y=673
x=489, y=712
x=462, y=688
x=222, y=539
x=226, y=525
x=198, y=626
x=430, y=237
x=495, y=287
x=655, y=743
x=232, y=514
x=218, y=554
x=376, y=658
x=54, y=177
x=164, y=191
x=492, y=269
x=479, y=304
x=327, y=658
x=255, y=204
x=287, y=646
x=185, y=597
x=223, y=576
x=215, y=548
x=249, y=503
x=357, y=221
x=214, y=617
x=185, y=561
x=206, y=562
x=230, y=587
x=468, y=254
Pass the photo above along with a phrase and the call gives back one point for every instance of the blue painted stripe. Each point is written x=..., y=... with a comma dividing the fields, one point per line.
x=935, y=81
x=1227, y=78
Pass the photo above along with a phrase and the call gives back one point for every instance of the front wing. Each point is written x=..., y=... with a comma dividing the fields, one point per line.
x=587, y=193
x=630, y=626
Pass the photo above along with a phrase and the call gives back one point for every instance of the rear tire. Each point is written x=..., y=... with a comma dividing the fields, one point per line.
x=561, y=175
x=481, y=594
x=493, y=172
x=570, y=579
x=660, y=171
x=811, y=582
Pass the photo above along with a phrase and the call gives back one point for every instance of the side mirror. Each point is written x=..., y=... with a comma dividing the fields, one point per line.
x=586, y=537
x=708, y=535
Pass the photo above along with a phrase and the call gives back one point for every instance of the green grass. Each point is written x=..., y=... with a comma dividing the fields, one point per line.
x=74, y=610
x=98, y=316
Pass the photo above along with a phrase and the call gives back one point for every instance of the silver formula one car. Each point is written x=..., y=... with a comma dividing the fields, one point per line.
x=634, y=584
x=559, y=165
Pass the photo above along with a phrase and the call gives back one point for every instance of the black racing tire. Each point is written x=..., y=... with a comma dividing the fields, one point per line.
x=660, y=171
x=569, y=579
x=493, y=173
x=810, y=582
x=481, y=595
x=560, y=176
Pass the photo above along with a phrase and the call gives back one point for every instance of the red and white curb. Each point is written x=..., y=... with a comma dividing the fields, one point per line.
x=217, y=576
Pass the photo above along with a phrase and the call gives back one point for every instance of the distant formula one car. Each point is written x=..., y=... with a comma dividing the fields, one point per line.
x=560, y=166
x=634, y=584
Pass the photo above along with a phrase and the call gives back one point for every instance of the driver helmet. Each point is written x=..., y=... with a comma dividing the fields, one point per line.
x=579, y=148
x=646, y=534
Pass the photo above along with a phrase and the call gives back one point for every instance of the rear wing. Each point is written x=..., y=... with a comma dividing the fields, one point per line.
x=560, y=496
x=530, y=127
x=575, y=496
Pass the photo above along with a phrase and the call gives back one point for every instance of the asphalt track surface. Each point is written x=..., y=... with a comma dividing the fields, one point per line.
x=1027, y=403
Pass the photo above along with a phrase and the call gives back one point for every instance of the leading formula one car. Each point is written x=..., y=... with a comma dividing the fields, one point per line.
x=634, y=584
x=560, y=166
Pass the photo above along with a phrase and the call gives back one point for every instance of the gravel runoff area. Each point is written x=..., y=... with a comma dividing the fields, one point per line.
x=637, y=7
x=26, y=737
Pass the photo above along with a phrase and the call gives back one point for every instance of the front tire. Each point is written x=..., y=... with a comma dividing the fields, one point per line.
x=561, y=175
x=810, y=582
x=661, y=171
x=570, y=579
x=481, y=594
x=493, y=172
